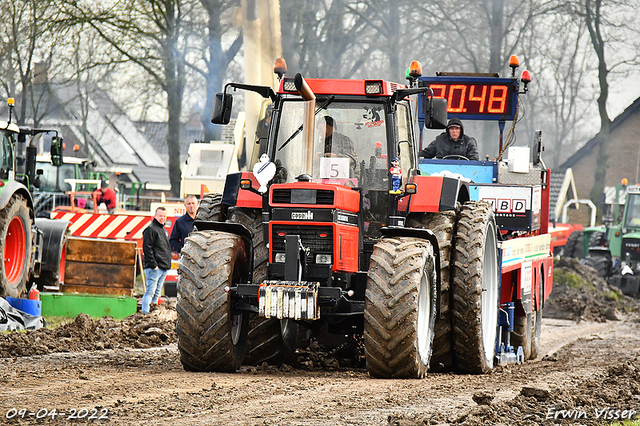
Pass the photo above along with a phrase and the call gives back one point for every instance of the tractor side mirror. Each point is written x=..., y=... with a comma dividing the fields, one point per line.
x=56, y=151
x=221, y=113
x=435, y=112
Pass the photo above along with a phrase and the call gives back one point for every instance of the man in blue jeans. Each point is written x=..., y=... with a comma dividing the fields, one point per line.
x=157, y=258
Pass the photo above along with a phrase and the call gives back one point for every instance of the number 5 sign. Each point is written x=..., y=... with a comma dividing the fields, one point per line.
x=334, y=168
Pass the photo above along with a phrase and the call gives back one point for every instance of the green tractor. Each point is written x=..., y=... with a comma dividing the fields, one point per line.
x=33, y=249
x=614, y=248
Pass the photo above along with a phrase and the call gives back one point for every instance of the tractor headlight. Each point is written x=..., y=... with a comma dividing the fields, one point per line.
x=323, y=259
x=280, y=257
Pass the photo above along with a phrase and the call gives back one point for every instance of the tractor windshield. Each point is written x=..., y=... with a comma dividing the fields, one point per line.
x=349, y=144
x=632, y=219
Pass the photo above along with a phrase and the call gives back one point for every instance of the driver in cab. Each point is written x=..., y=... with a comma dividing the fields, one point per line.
x=335, y=144
x=452, y=142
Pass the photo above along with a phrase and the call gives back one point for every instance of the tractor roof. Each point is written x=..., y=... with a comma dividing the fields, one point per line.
x=324, y=86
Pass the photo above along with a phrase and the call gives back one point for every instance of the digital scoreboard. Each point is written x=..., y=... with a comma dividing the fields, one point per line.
x=475, y=98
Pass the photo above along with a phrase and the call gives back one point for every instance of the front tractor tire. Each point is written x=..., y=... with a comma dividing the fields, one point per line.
x=15, y=246
x=475, y=289
x=400, y=308
x=211, y=336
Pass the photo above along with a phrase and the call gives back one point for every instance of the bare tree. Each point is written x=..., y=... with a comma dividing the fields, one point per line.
x=608, y=35
x=210, y=59
x=28, y=36
x=559, y=100
x=149, y=33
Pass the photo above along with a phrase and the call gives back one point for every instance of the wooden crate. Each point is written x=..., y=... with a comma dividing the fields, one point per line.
x=100, y=266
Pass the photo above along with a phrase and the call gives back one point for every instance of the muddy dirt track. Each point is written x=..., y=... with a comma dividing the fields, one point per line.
x=129, y=373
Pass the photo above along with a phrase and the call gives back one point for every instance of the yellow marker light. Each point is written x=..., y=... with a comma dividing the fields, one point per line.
x=514, y=62
x=280, y=67
x=245, y=183
x=410, y=188
x=11, y=102
x=415, y=69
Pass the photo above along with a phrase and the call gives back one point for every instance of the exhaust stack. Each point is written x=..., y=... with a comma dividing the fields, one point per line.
x=308, y=121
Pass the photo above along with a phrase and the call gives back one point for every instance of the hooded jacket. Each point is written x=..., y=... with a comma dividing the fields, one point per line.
x=443, y=145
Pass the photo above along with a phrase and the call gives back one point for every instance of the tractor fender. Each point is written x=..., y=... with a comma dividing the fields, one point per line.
x=233, y=195
x=55, y=235
x=231, y=228
x=437, y=194
x=15, y=187
x=425, y=234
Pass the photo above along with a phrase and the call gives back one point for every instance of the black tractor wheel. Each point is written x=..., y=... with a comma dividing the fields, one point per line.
x=211, y=208
x=400, y=308
x=442, y=225
x=211, y=336
x=602, y=264
x=522, y=334
x=264, y=343
x=598, y=239
x=15, y=245
x=54, y=252
x=536, y=336
x=475, y=289
x=574, y=246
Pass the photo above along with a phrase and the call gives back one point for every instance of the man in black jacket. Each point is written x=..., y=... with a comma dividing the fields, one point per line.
x=157, y=258
x=452, y=142
x=184, y=224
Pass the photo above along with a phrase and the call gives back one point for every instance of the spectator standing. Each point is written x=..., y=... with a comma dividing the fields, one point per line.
x=157, y=258
x=184, y=224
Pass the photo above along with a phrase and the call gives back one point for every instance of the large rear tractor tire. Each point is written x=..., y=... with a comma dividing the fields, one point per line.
x=602, y=264
x=574, y=246
x=211, y=336
x=15, y=246
x=475, y=289
x=211, y=208
x=442, y=224
x=400, y=308
x=264, y=343
x=598, y=239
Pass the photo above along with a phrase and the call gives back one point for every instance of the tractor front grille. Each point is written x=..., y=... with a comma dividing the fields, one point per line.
x=631, y=246
x=319, y=239
x=321, y=196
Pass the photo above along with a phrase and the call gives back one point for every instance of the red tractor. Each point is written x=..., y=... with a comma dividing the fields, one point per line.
x=336, y=232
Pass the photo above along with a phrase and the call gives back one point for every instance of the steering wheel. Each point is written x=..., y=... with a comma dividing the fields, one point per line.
x=455, y=157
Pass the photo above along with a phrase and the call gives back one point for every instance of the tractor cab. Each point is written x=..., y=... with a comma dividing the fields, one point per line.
x=352, y=145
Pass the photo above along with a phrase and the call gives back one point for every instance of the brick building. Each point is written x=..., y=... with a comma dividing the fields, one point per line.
x=624, y=158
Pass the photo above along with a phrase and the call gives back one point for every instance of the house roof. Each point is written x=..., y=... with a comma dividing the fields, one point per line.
x=562, y=188
x=586, y=148
x=109, y=138
x=156, y=133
